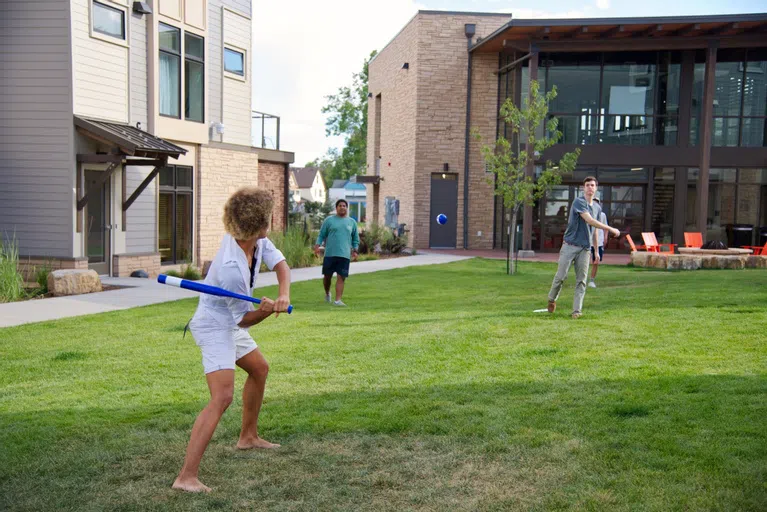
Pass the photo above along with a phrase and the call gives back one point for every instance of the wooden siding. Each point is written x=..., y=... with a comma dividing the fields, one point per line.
x=213, y=64
x=100, y=70
x=142, y=215
x=237, y=93
x=36, y=130
x=139, y=82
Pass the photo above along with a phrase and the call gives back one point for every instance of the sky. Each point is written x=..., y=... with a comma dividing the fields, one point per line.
x=305, y=50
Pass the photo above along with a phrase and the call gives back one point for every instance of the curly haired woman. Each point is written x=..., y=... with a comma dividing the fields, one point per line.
x=220, y=324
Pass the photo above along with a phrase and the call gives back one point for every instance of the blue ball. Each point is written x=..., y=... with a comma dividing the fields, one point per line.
x=441, y=218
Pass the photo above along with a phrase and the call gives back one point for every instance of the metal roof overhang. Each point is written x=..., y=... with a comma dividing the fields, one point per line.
x=125, y=141
x=366, y=178
x=599, y=34
x=129, y=140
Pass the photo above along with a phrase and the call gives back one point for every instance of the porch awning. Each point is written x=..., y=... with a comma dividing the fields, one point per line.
x=130, y=140
x=518, y=34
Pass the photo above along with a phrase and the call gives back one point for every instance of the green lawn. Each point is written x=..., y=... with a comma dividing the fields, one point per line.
x=437, y=389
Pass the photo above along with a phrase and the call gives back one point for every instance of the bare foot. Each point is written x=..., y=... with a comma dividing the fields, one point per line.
x=190, y=485
x=249, y=444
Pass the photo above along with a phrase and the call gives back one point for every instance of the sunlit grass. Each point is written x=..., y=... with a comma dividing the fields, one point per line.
x=437, y=389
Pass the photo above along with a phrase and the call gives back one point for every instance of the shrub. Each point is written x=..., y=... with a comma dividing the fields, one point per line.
x=172, y=273
x=41, y=277
x=296, y=246
x=11, y=281
x=190, y=272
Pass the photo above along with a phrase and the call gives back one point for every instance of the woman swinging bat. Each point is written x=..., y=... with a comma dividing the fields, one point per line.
x=220, y=324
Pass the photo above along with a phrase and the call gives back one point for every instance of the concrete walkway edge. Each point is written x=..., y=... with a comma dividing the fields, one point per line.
x=143, y=292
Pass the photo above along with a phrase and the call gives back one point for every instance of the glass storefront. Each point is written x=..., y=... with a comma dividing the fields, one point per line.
x=740, y=98
x=737, y=205
x=629, y=98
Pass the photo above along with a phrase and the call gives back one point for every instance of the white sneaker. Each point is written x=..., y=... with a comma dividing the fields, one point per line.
x=327, y=298
x=339, y=303
x=592, y=284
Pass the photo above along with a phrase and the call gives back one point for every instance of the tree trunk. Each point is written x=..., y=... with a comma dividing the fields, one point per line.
x=513, y=243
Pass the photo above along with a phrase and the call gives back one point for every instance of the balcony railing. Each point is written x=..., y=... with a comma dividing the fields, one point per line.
x=266, y=130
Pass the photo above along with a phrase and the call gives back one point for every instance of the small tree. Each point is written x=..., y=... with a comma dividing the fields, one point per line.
x=508, y=160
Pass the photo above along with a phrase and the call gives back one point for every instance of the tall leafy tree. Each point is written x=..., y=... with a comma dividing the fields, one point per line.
x=347, y=112
x=508, y=160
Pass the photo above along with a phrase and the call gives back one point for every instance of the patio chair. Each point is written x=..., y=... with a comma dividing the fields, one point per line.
x=632, y=245
x=693, y=240
x=653, y=246
x=758, y=249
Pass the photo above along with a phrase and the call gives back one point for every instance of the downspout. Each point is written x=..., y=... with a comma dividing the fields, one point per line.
x=469, y=31
x=286, y=195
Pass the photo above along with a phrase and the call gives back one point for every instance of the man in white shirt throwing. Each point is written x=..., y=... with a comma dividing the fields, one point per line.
x=598, y=251
x=220, y=324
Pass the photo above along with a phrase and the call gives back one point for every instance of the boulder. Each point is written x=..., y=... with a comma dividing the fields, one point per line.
x=682, y=262
x=73, y=282
x=756, y=262
x=139, y=273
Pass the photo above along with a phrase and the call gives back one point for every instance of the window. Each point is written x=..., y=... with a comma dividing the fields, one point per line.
x=170, y=71
x=175, y=219
x=194, y=78
x=606, y=98
x=740, y=98
x=234, y=62
x=109, y=21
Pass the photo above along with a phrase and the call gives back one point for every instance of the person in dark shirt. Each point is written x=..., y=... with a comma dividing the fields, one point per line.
x=580, y=235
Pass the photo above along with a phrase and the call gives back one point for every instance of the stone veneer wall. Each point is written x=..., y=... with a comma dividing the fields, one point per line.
x=271, y=176
x=221, y=171
x=28, y=266
x=124, y=264
x=423, y=120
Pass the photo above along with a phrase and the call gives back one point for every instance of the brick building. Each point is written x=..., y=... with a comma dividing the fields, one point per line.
x=670, y=115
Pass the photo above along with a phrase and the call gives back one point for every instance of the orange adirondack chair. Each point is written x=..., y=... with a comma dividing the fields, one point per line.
x=694, y=240
x=652, y=243
x=758, y=249
x=632, y=245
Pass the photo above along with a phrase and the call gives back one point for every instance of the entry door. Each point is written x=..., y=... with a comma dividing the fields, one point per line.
x=624, y=206
x=444, y=200
x=97, y=224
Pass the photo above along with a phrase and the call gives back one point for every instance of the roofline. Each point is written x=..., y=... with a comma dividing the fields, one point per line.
x=433, y=12
x=643, y=20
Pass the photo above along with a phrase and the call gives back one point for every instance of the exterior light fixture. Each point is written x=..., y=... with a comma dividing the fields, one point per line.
x=142, y=8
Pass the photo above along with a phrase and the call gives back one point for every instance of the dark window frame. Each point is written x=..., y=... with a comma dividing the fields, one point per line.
x=180, y=60
x=233, y=50
x=174, y=190
x=197, y=60
x=124, y=35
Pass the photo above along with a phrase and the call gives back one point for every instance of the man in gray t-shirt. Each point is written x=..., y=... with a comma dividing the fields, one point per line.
x=578, y=239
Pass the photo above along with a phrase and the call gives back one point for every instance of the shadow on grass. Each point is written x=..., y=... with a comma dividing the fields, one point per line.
x=690, y=429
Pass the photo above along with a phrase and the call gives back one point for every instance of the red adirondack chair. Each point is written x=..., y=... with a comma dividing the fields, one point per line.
x=652, y=243
x=632, y=245
x=758, y=249
x=694, y=240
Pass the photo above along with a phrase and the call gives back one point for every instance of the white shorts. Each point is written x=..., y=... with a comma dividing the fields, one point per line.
x=222, y=348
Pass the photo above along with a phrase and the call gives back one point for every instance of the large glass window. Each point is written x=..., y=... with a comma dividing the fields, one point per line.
x=194, y=78
x=175, y=219
x=740, y=98
x=737, y=205
x=614, y=98
x=170, y=71
x=662, y=218
x=108, y=20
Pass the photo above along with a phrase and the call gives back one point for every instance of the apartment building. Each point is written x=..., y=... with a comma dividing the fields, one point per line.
x=670, y=114
x=125, y=126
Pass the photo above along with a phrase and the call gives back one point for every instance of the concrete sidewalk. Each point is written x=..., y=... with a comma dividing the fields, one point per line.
x=143, y=292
